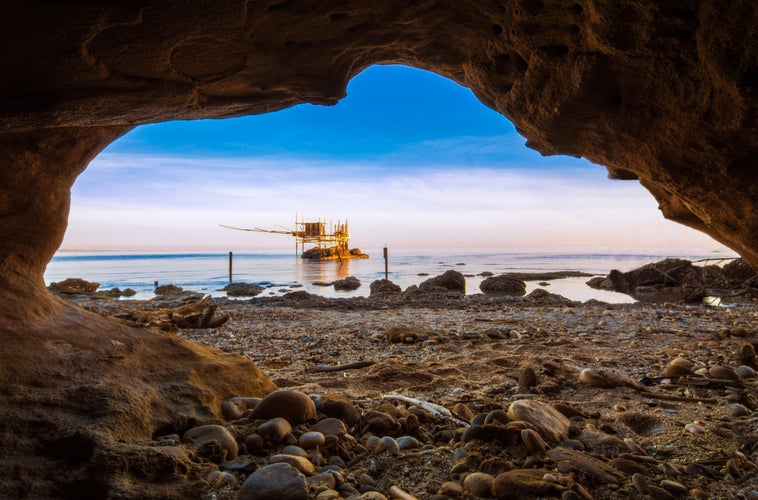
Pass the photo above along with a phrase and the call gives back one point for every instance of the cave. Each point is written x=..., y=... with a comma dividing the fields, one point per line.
x=660, y=92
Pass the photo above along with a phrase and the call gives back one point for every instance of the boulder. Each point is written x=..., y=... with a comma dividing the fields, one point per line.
x=503, y=284
x=384, y=287
x=243, y=289
x=74, y=286
x=349, y=283
x=449, y=281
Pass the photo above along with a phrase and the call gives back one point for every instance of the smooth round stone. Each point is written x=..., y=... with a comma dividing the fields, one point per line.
x=254, y=442
x=372, y=495
x=300, y=463
x=234, y=408
x=552, y=425
x=295, y=450
x=479, y=484
x=674, y=487
x=280, y=481
x=451, y=489
x=694, y=428
x=293, y=406
x=738, y=410
x=722, y=372
x=334, y=405
x=371, y=442
x=408, y=443
x=745, y=372
x=311, y=439
x=387, y=444
x=328, y=495
x=533, y=441
x=524, y=483
x=206, y=434
x=218, y=479
x=274, y=429
x=330, y=427
x=323, y=480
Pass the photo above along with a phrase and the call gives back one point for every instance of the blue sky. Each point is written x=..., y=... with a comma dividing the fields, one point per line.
x=413, y=160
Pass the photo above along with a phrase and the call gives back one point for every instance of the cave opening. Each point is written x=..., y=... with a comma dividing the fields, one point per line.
x=412, y=158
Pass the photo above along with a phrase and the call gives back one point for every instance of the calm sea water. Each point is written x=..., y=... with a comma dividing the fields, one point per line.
x=283, y=272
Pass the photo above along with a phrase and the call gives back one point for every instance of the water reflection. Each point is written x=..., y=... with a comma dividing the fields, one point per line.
x=310, y=271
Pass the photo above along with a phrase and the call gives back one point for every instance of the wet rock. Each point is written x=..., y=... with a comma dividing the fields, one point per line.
x=213, y=442
x=280, y=481
x=523, y=484
x=243, y=289
x=552, y=425
x=74, y=286
x=384, y=287
x=737, y=410
x=450, y=280
x=293, y=406
x=349, y=283
x=387, y=444
x=503, y=284
x=452, y=489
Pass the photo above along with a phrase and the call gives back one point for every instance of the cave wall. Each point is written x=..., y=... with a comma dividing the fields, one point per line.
x=659, y=91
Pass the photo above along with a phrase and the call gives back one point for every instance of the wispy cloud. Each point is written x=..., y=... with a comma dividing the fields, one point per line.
x=128, y=201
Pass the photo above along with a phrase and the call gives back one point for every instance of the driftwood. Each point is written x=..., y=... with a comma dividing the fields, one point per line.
x=200, y=314
x=338, y=368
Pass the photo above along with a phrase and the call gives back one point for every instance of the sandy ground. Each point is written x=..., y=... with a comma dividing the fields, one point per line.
x=474, y=350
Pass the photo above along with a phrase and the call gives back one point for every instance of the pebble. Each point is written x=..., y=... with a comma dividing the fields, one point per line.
x=218, y=479
x=293, y=406
x=204, y=437
x=300, y=463
x=280, y=480
x=524, y=483
x=275, y=429
x=745, y=372
x=311, y=439
x=533, y=441
x=329, y=427
x=387, y=444
x=234, y=408
x=398, y=494
x=674, y=487
x=295, y=450
x=552, y=425
x=408, y=443
x=723, y=372
x=479, y=484
x=694, y=428
x=451, y=489
x=737, y=410
x=337, y=406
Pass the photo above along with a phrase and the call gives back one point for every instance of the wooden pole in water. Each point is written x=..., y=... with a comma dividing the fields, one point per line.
x=386, y=265
x=230, y=267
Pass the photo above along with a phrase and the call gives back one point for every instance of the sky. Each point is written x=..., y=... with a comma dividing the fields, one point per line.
x=411, y=159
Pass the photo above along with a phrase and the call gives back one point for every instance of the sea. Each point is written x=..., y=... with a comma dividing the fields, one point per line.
x=281, y=271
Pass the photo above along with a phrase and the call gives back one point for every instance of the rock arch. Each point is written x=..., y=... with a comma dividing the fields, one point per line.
x=660, y=91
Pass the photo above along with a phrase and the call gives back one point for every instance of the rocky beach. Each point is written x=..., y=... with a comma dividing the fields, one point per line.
x=429, y=394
